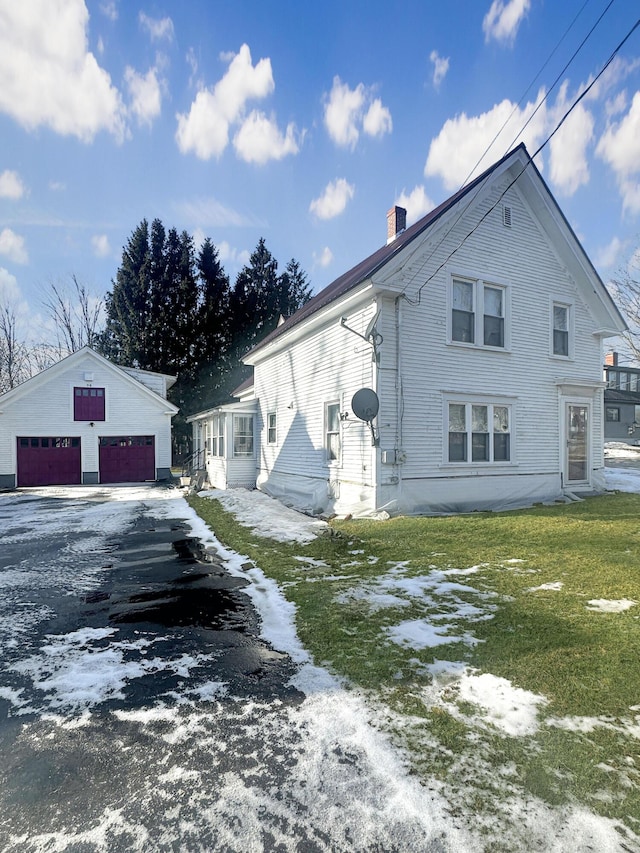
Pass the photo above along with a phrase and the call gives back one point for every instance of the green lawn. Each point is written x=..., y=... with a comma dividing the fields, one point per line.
x=508, y=595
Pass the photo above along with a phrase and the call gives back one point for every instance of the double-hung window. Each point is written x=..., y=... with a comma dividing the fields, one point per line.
x=479, y=432
x=478, y=313
x=332, y=434
x=561, y=319
x=272, y=428
x=243, y=435
x=217, y=435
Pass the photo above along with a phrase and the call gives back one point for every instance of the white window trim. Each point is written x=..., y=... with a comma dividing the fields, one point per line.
x=331, y=463
x=478, y=304
x=216, y=435
x=272, y=414
x=235, y=455
x=478, y=400
x=570, y=328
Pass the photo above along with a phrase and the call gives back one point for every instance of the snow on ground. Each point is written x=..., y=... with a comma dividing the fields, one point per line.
x=77, y=671
x=266, y=516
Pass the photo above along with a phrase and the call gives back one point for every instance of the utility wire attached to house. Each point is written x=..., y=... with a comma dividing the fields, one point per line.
x=514, y=180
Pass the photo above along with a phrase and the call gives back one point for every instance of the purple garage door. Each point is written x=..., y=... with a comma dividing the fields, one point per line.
x=127, y=458
x=47, y=461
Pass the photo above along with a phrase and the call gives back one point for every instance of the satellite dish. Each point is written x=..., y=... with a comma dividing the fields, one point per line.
x=371, y=328
x=365, y=404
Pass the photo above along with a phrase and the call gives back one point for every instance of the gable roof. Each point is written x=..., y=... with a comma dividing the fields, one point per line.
x=67, y=362
x=363, y=271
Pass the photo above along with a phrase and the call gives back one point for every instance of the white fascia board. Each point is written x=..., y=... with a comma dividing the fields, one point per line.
x=324, y=316
x=248, y=406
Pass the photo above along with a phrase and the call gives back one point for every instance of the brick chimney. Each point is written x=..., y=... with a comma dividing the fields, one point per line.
x=611, y=359
x=396, y=222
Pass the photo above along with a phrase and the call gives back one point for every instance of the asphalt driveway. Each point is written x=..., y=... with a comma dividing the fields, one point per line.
x=141, y=709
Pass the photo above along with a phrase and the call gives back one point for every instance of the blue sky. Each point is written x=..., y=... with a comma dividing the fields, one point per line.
x=300, y=123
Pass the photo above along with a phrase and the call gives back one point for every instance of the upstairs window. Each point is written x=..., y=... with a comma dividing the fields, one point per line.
x=478, y=313
x=479, y=432
x=560, y=329
x=88, y=404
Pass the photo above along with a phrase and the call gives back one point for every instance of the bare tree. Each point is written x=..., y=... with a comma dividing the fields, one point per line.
x=625, y=289
x=77, y=316
x=15, y=364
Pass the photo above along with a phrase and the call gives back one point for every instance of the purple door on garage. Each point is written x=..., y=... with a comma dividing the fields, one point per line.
x=48, y=461
x=127, y=458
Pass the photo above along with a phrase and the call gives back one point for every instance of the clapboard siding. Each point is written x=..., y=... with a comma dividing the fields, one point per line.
x=537, y=260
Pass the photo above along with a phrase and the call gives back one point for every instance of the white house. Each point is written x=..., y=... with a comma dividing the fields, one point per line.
x=478, y=332
x=85, y=420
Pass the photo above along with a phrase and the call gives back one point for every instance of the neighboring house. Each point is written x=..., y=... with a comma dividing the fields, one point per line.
x=479, y=331
x=84, y=420
x=621, y=401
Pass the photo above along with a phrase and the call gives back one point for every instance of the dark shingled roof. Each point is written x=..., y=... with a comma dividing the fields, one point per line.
x=366, y=268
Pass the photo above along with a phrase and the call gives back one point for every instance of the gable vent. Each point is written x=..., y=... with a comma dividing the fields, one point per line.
x=506, y=215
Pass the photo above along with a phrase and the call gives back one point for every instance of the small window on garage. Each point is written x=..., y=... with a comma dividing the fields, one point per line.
x=88, y=404
x=613, y=413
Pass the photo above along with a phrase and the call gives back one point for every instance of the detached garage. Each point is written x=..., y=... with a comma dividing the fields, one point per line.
x=85, y=420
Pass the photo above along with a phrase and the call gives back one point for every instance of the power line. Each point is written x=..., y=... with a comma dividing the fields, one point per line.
x=531, y=158
x=487, y=149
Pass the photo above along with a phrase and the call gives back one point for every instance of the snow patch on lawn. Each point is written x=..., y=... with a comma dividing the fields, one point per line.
x=510, y=709
x=266, y=516
x=554, y=586
x=604, y=605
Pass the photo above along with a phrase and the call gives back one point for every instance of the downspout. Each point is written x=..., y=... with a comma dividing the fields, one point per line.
x=399, y=399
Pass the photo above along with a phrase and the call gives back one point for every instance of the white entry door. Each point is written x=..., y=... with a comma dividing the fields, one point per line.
x=577, y=468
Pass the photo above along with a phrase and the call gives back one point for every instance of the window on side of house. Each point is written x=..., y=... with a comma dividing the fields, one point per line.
x=560, y=329
x=624, y=380
x=636, y=414
x=612, y=414
x=217, y=435
x=272, y=428
x=633, y=382
x=479, y=432
x=88, y=404
x=478, y=313
x=243, y=436
x=612, y=379
x=493, y=298
x=332, y=435
x=463, y=314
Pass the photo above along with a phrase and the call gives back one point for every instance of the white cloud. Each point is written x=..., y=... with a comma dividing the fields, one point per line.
x=205, y=129
x=57, y=186
x=157, y=28
x=619, y=147
x=9, y=290
x=231, y=256
x=377, y=120
x=503, y=19
x=333, y=200
x=100, y=245
x=440, y=67
x=48, y=76
x=11, y=185
x=568, y=158
x=109, y=8
x=607, y=257
x=144, y=91
x=463, y=141
x=210, y=212
x=13, y=247
x=345, y=115
x=417, y=203
x=324, y=258
x=259, y=139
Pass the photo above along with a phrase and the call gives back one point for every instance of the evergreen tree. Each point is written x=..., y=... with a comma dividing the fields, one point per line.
x=294, y=288
x=125, y=338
